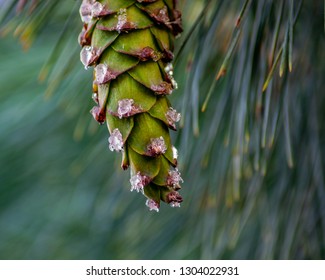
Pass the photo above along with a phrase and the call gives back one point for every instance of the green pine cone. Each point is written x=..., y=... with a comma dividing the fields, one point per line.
x=130, y=44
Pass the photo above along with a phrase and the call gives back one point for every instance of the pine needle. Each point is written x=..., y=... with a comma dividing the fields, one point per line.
x=271, y=72
x=242, y=12
x=291, y=23
x=223, y=69
x=284, y=55
x=276, y=32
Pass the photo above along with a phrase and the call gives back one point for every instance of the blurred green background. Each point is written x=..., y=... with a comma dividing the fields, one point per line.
x=253, y=162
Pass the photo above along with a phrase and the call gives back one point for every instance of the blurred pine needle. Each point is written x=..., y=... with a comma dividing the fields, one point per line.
x=254, y=184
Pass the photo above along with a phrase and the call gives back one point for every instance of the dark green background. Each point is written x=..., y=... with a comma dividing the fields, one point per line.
x=63, y=195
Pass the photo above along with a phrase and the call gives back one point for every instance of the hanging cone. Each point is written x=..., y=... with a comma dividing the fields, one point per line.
x=130, y=45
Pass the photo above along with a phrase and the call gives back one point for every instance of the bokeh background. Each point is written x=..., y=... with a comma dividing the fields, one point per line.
x=252, y=162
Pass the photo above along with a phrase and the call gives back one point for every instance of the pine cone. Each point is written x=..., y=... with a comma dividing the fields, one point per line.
x=130, y=44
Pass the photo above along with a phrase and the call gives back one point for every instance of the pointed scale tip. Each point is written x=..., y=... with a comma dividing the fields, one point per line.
x=152, y=205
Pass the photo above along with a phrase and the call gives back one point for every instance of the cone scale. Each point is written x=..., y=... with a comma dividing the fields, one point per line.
x=130, y=45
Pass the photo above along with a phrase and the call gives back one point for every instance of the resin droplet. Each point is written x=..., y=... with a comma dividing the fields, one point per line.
x=175, y=204
x=85, y=11
x=174, y=177
x=153, y=205
x=163, y=88
x=174, y=83
x=99, y=114
x=101, y=72
x=122, y=19
x=162, y=15
x=87, y=56
x=169, y=69
x=148, y=53
x=174, y=199
x=157, y=146
x=175, y=153
x=170, y=73
x=172, y=116
x=125, y=107
x=90, y=9
x=115, y=141
x=95, y=97
x=138, y=182
x=96, y=9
